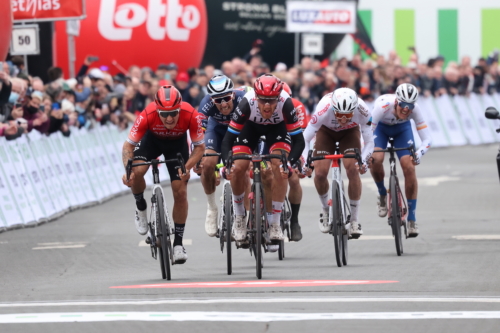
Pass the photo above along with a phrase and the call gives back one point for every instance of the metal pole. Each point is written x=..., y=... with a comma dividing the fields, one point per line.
x=71, y=53
x=25, y=58
x=297, y=45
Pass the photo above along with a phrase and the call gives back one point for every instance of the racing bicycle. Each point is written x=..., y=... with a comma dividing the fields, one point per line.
x=339, y=211
x=258, y=225
x=160, y=225
x=225, y=219
x=396, y=203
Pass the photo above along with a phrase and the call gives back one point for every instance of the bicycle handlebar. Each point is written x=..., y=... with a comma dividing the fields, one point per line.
x=257, y=158
x=179, y=160
x=311, y=158
x=411, y=148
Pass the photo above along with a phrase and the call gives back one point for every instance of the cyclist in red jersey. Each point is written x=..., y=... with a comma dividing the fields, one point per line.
x=295, y=192
x=161, y=129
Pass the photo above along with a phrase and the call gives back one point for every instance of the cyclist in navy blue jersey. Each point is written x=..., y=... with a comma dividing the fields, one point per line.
x=217, y=107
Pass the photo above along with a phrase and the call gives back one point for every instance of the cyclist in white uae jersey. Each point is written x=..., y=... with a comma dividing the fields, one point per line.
x=391, y=118
x=340, y=117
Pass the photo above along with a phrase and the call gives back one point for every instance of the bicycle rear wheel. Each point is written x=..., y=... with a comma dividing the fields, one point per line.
x=396, y=215
x=335, y=214
x=228, y=217
x=161, y=220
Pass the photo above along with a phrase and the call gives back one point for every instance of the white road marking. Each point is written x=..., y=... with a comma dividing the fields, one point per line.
x=76, y=246
x=259, y=300
x=476, y=237
x=184, y=242
x=60, y=243
x=22, y=318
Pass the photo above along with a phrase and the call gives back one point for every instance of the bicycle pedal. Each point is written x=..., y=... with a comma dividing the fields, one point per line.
x=148, y=240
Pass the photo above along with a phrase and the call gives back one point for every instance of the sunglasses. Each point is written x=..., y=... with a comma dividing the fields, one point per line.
x=265, y=100
x=403, y=105
x=226, y=99
x=166, y=114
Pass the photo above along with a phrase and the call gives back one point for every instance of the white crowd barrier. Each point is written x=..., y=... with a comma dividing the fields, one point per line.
x=42, y=178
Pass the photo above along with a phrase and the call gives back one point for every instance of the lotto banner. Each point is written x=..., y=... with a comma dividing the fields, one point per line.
x=334, y=17
x=47, y=10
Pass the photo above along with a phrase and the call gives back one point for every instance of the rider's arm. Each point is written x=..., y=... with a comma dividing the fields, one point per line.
x=205, y=105
x=135, y=135
x=294, y=130
x=197, y=138
x=315, y=124
x=366, y=130
x=423, y=132
x=234, y=128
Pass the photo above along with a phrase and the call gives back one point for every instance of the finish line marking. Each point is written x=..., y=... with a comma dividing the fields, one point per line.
x=476, y=237
x=258, y=301
x=253, y=284
x=57, y=245
x=70, y=317
x=143, y=243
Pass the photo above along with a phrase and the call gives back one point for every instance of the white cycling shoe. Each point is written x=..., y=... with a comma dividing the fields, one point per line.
x=382, y=205
x=323, y=222
x=355, y=230
x=412, y=229
x=273, y=248
x=275, y=232
x=141, y=221
x=180, y=255
x=211, y=222
x=239, y=228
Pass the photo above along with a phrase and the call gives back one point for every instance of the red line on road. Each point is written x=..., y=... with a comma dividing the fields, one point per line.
x=255, y=284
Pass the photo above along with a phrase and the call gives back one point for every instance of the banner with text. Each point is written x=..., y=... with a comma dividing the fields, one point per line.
x=321, y=16
x=47, y=10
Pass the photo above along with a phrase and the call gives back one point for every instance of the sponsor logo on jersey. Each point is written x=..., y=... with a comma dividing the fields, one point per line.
x=385, y=106
x=323, y=110
x=314, y=119
x=362, y=110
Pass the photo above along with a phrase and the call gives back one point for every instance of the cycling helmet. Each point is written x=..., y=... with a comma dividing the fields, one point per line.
x=268, y=85
x=220, y=85
x=168, y=98
x=407, y=93
x=287, y=89
x=344, y=100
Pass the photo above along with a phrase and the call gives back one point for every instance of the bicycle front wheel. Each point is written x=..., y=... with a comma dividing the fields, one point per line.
x=335, y=219
x=228, y=217
x=396, y=215
x=161, y=220
x=258, y=229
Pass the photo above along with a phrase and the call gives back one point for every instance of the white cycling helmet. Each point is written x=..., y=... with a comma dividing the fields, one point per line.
x=344, y=100
x=220, y=85
x=407, y=93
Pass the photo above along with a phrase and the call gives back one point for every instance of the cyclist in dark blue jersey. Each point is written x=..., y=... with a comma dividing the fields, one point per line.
x=217, y=108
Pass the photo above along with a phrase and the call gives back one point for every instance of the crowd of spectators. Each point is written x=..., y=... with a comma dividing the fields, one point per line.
x=96, y=96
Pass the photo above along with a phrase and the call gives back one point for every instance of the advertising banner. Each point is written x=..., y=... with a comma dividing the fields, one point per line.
x=138, y=32
x=449, y=118
x=471, y=131
x=5, y=28
x=55, y=189
x=321, y=16
x=439, y=138
x=485, y=125
x=47, y=10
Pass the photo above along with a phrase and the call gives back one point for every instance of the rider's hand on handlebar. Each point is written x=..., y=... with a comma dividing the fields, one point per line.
x=184, y=177
x=198, y=168
x=363, y=168
x=416, y=158
x=130, y=182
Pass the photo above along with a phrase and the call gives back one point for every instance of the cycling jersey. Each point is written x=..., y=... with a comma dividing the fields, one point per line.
x=384, y=113
x=149, y=120
x=248, y=111
x=325, y=116
x=209, y=110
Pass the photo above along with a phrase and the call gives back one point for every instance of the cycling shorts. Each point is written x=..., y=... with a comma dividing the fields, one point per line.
x=326, y=140
x=151, y=147
x=402, y=134
x=277, y=137
x=214, y=135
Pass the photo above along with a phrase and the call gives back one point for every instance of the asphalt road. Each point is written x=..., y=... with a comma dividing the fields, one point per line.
x=446, y=280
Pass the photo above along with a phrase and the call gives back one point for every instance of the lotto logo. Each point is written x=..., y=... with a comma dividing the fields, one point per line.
x=117, y=23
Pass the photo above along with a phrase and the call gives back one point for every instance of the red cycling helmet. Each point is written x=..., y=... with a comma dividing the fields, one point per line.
x=268, y=85
x=287, y=89
x=168, y=98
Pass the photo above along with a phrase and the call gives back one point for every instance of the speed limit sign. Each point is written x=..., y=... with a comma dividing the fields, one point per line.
x=24, y=40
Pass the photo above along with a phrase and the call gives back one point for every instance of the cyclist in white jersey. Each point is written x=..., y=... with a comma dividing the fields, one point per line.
x=340, y=117
x=391, y=118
